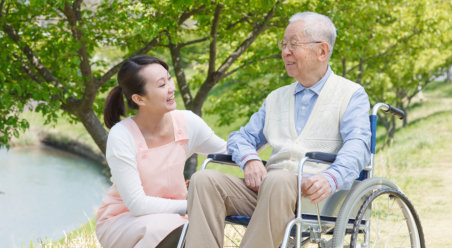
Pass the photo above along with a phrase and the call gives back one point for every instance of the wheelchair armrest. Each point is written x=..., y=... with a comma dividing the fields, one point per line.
x=322, y=156
x=218, y=157
x=224, y=158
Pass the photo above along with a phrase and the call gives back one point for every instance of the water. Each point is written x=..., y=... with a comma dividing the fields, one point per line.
x=44, y=193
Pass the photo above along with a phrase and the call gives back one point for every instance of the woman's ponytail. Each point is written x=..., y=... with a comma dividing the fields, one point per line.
x=114, y=107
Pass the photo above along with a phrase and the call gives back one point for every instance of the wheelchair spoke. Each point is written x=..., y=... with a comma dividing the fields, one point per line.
x=390, y=222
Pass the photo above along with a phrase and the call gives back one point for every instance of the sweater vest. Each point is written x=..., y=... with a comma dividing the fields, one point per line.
x=321, y=132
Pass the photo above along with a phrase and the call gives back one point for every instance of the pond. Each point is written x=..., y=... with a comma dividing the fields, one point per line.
x=45, y=193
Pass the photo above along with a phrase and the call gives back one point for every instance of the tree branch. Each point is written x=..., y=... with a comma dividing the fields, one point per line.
x=70, y=101
x=213, y=42
x=383, y=53
x=189, y=13
x=257, y=30
x=74, y=18
x=275, y=56
x=213, y=78
x=154, y=42
x=76, y=6
x=344, y=66
x=27, y=69
x=1, y=7
x=180, y=74
x=32, y=58
x=193, y=42
x=232, y=25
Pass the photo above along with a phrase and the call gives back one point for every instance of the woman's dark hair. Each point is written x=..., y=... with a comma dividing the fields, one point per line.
x=130, y=82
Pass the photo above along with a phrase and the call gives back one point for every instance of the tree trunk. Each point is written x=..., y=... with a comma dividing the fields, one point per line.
x=95, y=129
x=405, y=120
x=448, y=76
x=391, y=130
x=213, y=75
x=404, y=108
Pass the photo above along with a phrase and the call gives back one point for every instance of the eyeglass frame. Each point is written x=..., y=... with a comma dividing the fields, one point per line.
x=293, y=45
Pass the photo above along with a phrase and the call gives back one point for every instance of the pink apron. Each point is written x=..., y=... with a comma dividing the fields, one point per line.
x=161, y=173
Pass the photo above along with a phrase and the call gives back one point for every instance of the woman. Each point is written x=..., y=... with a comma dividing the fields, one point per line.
x=146, y=153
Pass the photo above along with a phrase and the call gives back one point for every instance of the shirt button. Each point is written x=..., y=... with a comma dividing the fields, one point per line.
x=179, y=131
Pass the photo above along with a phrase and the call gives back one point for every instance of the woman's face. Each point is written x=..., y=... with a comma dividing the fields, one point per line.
x=159, y=89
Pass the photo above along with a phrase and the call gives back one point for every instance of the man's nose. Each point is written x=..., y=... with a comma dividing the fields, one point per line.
x=285, y=51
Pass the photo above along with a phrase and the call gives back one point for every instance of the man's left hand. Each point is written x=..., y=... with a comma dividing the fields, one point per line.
x=316, y=188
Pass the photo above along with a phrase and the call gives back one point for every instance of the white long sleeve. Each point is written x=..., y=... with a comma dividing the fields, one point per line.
x=121, y=157
x=202, y=139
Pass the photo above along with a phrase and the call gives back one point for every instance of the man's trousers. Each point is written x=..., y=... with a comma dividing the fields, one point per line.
x=213, y=195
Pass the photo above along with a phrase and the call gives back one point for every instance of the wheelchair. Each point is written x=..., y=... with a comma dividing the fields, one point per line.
x=373, y=213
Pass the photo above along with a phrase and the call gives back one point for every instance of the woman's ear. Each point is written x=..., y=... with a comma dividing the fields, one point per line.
x=323, y=51
x=137, y=99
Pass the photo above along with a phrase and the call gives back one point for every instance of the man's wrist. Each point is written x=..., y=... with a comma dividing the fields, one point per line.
x=248, y=157
x=331, y=180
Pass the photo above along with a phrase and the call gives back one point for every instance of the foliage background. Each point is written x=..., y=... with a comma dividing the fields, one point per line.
x=221, y=52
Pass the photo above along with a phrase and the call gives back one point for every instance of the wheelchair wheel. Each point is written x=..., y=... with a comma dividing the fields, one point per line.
x=387, y=219
x=359, y=193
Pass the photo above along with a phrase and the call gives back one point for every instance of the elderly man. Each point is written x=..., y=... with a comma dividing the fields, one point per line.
x=319, y=112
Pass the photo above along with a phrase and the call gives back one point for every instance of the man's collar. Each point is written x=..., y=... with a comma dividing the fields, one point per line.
x=317, y=87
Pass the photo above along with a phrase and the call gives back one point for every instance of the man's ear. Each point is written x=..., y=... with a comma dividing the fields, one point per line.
x=137, y=99
x=323, y=51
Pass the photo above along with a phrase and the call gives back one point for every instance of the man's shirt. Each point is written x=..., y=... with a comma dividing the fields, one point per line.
x=355, y=131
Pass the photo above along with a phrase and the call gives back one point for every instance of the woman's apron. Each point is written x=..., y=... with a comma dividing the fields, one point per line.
x=161, y=173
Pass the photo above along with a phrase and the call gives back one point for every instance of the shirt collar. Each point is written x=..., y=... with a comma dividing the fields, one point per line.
x=316, y=88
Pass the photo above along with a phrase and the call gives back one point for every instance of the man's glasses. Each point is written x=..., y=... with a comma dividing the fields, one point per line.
x=282, y=44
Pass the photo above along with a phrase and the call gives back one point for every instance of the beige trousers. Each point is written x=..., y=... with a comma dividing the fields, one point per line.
x=212, y=196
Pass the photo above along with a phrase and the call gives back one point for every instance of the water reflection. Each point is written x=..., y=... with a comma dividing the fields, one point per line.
x=44, y=193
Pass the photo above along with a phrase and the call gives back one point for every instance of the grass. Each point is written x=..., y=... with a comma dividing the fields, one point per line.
x=82, y=237
x=418, y=161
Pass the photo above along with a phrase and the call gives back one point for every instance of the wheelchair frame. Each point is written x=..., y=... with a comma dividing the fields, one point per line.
x=353, y=216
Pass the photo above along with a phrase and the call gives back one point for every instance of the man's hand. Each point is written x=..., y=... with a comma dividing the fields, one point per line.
x=254, y=174
x=316, y=188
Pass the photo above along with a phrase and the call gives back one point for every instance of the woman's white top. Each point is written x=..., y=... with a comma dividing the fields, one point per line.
x=121, y=158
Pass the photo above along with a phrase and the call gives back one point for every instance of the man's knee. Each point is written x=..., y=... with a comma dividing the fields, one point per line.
x=280, y=180
x=204, y=178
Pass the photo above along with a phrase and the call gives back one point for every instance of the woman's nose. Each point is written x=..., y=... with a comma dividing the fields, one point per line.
x=172, y=87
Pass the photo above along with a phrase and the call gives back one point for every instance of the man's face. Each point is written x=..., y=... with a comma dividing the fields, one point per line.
x=301, y=60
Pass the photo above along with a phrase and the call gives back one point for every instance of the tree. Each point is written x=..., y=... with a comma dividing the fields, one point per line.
x=396, y=47
x=49, y=50
x=389, y=47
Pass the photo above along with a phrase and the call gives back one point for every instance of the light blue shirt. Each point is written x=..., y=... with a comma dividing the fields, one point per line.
x=355, y=131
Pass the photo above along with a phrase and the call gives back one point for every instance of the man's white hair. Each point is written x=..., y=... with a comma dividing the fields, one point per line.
x=317, y=27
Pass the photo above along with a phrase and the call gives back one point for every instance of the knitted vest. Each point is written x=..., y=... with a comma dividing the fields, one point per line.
x=321, y=132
